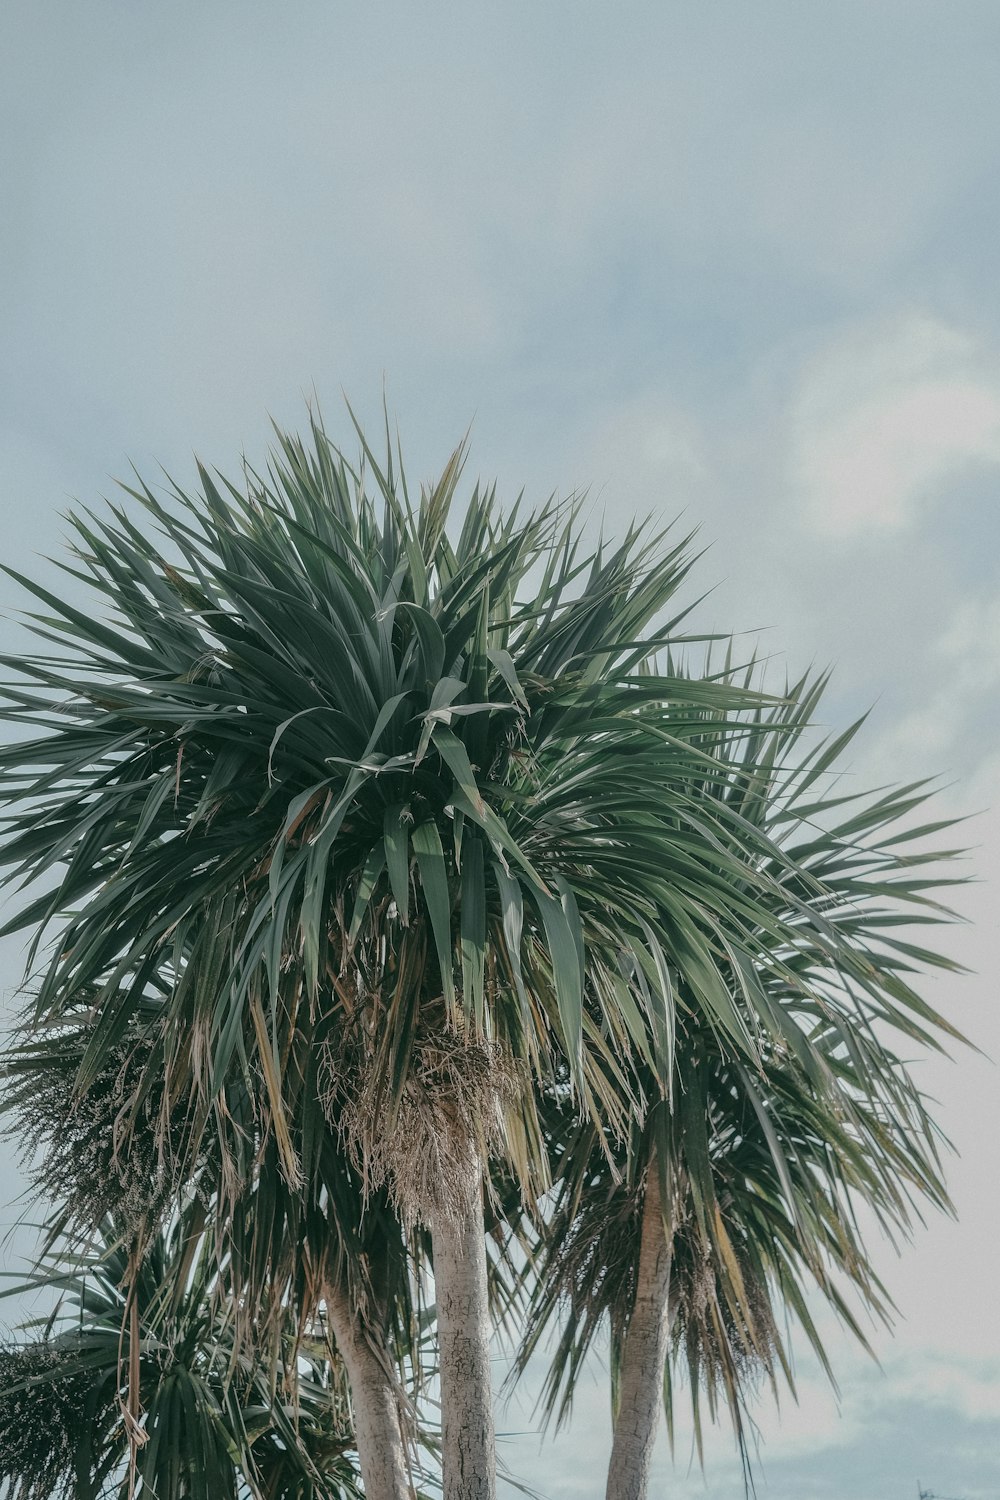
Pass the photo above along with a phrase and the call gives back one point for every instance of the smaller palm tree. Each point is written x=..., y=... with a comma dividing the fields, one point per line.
x=212, y=1422
x=707, y=1224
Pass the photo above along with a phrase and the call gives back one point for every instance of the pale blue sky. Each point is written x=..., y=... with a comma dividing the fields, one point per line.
x=737, y=260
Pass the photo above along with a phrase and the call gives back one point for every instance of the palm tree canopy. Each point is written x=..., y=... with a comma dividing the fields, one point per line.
x=305, y=754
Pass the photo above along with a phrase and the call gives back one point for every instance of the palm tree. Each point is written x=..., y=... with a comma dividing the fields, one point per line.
x=312, y=1257
x=410, y=822
x=215, y=1423
x=707, y=1223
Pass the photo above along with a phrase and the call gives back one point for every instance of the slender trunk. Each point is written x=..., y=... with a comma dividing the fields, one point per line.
x=377, y=1427
x=645, y=1352
x=468, y=1446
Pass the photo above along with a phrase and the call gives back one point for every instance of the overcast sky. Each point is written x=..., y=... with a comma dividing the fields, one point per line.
x=736, y=260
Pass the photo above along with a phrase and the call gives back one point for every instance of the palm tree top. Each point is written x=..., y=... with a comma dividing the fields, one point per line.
x=304, y=715
x=313, y=745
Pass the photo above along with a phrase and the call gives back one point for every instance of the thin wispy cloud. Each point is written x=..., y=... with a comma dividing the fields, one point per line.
x=886, y=419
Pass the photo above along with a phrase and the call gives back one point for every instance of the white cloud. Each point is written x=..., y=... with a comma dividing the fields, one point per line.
x=885, y=416
x=970, y=1387
x=961, y=681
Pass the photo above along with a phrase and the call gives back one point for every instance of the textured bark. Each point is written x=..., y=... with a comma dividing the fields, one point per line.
x=644, y=1355
x=377, y=1427
x=468, y=1447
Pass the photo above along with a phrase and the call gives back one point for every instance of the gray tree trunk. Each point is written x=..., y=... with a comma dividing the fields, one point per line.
x=374, y=1403
x=644, y=1355
x=468, y=1446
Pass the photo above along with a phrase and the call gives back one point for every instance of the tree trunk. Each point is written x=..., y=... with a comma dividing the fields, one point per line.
x=468, y=1447
x=644, y=1356
x=375, y=1407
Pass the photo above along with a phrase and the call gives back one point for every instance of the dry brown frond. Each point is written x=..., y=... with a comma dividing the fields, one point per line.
x=727, y=1334
x=447, y=1120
